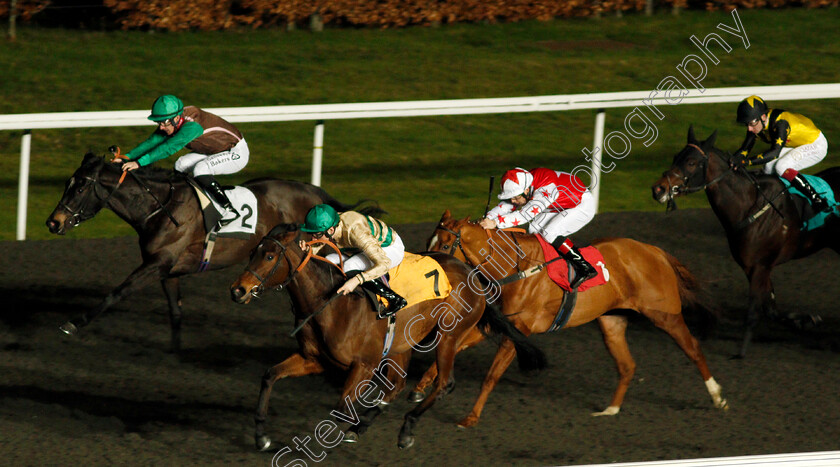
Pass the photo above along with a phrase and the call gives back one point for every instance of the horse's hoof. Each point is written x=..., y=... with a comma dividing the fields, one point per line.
x=468, y=422
x=69, y=328
x=416, y=396
x=724, y=405
x=406, y=442
x=351, y=437
x=263, y=443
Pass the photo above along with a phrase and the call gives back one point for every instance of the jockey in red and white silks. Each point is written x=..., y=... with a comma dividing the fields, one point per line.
x=553, y=204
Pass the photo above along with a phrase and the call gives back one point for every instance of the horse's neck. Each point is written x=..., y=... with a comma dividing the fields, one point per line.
x=133, y=204
x=501, y=255
x=312, y=287
x=732, y=196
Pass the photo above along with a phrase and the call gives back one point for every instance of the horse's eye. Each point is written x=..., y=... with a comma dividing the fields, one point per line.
x=269, y=257
x=445, y=247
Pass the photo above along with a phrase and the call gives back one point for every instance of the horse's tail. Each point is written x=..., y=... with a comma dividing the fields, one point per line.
x=694, y=296
x=530, y=356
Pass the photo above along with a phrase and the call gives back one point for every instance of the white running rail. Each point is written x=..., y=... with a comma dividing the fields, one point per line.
x=322, y=112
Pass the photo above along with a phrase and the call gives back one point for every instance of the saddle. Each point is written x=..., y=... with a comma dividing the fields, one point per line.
x=811, y=219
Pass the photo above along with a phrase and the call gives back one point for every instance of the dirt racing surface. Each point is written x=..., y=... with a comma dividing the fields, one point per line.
x=113, y=395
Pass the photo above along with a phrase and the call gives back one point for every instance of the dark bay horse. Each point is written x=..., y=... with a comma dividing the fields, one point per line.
x=169, y=250
x=762, y=224
x=342, y=331
x=642, y=278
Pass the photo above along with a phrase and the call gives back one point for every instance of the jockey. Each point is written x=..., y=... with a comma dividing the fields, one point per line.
x=555, y=204
x=217, y=147
x=795, y=144
x=381, y=249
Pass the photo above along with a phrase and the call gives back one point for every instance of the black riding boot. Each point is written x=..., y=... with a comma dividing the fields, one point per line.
x=212, y=186
x=818, y=202
x=395, y=302
x=583, y=270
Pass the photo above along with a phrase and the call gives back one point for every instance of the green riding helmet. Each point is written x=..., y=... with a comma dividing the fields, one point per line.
x=751, y=109
x=320, y=218
x=166, y=107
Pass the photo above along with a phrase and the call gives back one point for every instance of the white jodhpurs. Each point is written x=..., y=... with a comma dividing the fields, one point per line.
x=799, y=158
x=223, y=163
x=554, y=224
x=359, y=262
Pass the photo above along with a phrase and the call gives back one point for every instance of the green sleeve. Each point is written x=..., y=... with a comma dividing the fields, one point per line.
x=160, y=146
x=144, y=147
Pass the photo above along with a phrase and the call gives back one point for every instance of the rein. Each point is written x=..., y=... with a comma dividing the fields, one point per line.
x=256, y=290
x=749, y=219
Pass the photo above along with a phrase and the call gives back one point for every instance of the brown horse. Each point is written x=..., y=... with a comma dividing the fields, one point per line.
x=342, y=331
x=762, y=223
x=642, y=278
x=164, y=210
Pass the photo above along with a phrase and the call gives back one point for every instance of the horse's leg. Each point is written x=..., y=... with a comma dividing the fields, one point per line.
x=141, y=277
x=446, y=351
x=613, y=328
x=418, y=393
x=296, y=365
x=760, y=287
x=502, y=360
x=354, y=387
x=395, y=381
x=675, y=326
x=172, y=290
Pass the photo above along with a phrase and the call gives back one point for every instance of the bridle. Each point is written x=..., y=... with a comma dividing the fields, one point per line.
x=258, y=289
x=77, y=215
x=456, y=244
x=687, y=179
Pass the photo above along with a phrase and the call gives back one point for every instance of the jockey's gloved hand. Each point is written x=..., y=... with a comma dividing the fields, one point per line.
x=741, y=160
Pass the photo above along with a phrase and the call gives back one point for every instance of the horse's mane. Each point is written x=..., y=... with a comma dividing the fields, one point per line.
x=149, y=172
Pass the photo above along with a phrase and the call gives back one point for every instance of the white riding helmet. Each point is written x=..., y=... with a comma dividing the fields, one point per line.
x=515, y=182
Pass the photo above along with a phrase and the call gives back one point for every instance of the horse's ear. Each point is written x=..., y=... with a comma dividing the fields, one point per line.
x=467, y=219
x=710, y=141
x=446, y=216
x=89, y=158
x=691, y=138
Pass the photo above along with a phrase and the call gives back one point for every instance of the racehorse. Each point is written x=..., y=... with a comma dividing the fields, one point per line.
x=642, y=278
x=343, y=331
x=762, y=223
x=162, y=207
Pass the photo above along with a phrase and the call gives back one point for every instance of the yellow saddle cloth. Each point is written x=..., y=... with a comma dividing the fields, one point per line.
x=419, y=278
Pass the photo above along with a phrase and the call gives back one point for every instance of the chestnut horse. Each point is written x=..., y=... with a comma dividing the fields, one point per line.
x=162, y=207
x=642, y=278
x=762, y=223
x=343, y=330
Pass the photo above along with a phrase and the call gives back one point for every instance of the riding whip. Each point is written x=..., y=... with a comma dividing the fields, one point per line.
x=489, y=196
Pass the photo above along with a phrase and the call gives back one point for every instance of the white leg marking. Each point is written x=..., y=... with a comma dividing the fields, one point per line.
x=611, y=410
x=715, y=391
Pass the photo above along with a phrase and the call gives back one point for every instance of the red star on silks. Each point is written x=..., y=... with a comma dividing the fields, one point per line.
x=535, y=210
x=516, y=222
x=544, y=193
x=500, y=218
